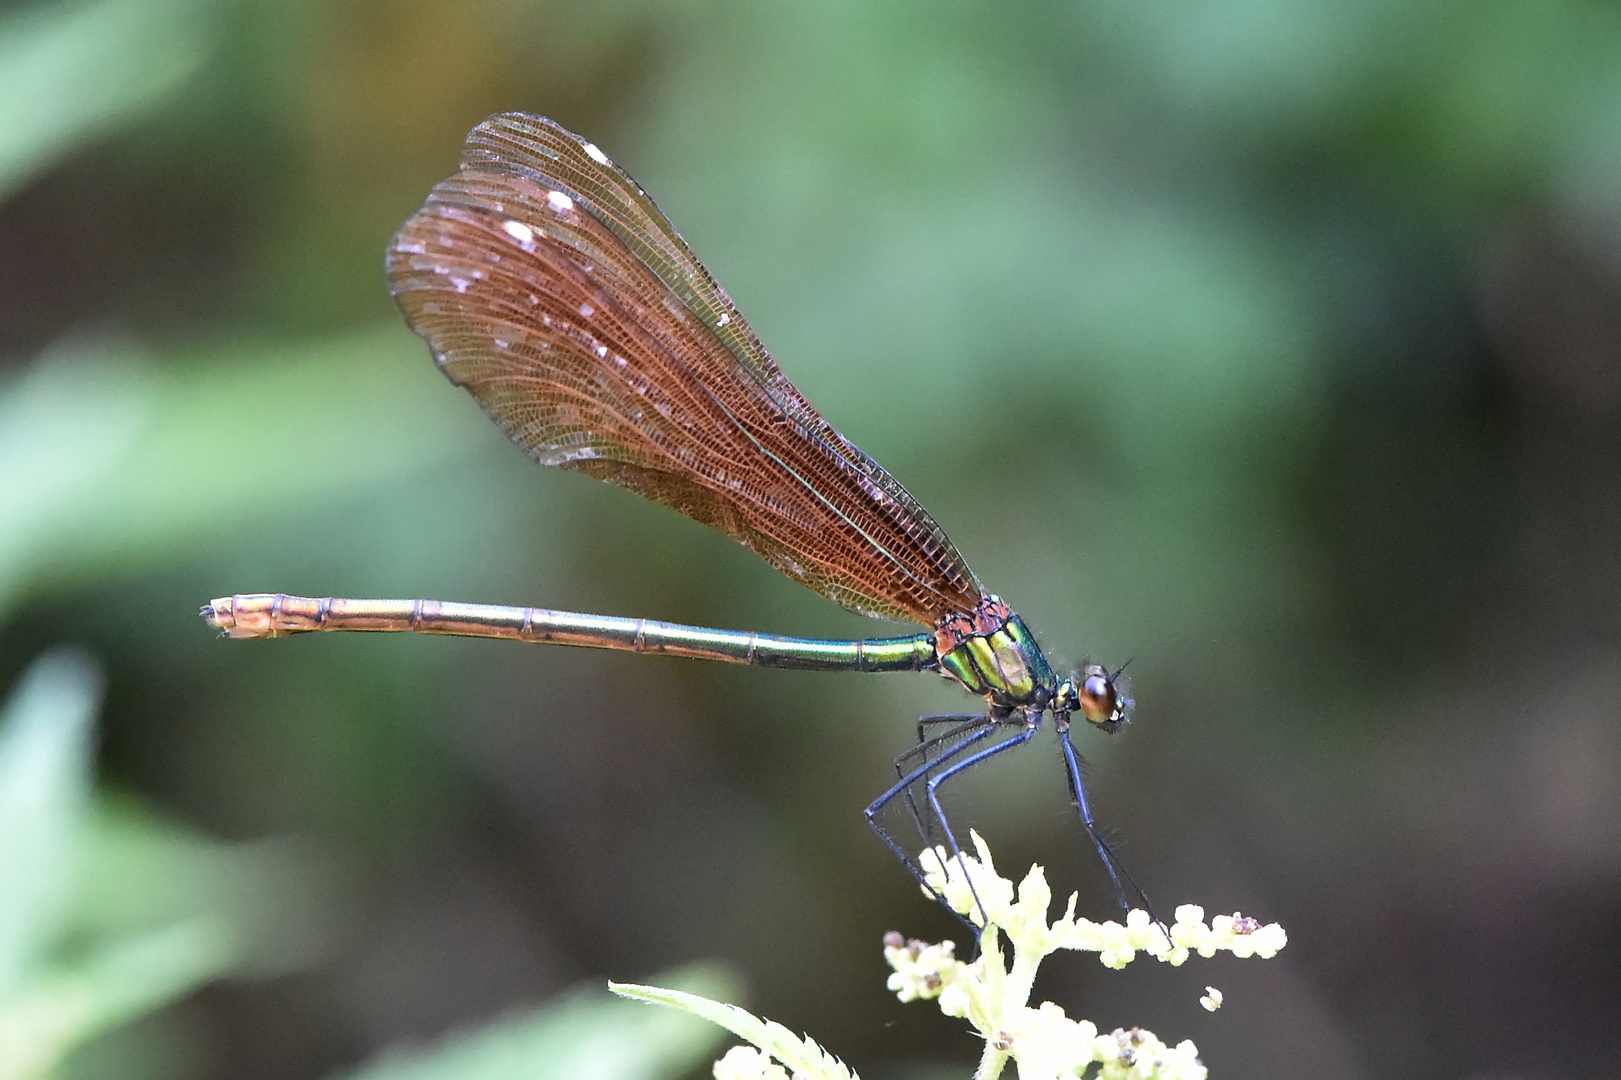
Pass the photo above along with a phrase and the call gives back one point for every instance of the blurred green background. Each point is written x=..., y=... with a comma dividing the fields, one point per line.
x=1272, y=344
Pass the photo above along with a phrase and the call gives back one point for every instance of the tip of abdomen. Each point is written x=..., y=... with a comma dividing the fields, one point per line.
x=222, y=613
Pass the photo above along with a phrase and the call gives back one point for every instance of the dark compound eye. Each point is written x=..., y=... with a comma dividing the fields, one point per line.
x=1098, y=699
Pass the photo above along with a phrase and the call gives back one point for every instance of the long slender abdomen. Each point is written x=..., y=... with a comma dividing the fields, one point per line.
x=265, y=615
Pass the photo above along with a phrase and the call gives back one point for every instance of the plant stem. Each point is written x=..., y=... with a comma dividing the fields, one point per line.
x=991, y=1063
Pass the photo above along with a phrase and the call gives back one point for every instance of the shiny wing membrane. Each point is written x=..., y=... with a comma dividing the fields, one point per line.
x=549, y=285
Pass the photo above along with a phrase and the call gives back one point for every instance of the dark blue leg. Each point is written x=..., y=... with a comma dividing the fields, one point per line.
x=963, y=723
x=1111, y=861
x=934, y=782
x=926, y=743
x=976, y=731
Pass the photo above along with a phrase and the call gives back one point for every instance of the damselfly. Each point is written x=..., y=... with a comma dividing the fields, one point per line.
x=549, y=285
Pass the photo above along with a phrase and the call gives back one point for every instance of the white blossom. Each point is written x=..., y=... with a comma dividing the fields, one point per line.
x=993, y=995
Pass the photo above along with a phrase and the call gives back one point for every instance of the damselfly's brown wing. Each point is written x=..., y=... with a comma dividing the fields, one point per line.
x=549, y=285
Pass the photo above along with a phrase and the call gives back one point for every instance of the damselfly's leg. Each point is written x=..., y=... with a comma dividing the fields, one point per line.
x=925, y=723
x=932, y=785
x=962, y=724
x=1111, y=861
x=972, y=733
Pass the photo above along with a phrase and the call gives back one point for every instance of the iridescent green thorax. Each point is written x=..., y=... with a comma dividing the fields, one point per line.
x=993, y=654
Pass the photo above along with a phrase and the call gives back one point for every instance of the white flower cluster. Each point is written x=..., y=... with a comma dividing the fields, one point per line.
x=1049, y=1045
x=1241, y=936
x=921, y=969
x=971, y=885
x=1045, y=1042
x=994, y=997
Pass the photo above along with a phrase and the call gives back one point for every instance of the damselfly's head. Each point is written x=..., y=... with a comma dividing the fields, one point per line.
x=1097, y=694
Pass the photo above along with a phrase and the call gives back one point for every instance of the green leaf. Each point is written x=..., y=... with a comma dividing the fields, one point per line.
x=278, y=895
x=803, y=1057
x=71, y=71
x=111, y=986
x=45, y=748
x=585, y=1036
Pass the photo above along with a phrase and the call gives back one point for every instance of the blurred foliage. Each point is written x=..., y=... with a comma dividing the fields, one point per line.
x=1274, y=345
x=86, y=431
x=105, y=913
x=69, y=72
x=585, y=1034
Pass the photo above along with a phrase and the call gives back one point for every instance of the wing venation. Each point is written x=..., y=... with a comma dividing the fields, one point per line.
x=548, y=285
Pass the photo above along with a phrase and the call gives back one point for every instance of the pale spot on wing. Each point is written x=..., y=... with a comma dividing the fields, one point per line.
x=586, y=311
x=559, y=201
x=595, y=155
x=562, y=455
x=519, y=232
x=724, y=318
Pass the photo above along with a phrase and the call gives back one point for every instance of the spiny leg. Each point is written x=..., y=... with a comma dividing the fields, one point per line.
x=1111, y=861
x=924, y=723
x=968, y=730
x=978, y=729
x=932, y=785
x=963, y=723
